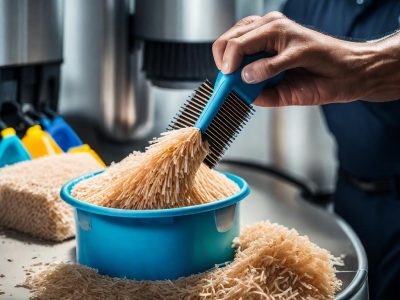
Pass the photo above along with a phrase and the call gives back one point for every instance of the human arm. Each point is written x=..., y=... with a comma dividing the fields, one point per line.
x=319, y=68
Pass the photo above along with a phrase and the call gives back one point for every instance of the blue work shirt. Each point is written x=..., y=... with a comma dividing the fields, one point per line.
x=368, y=138
x=367, y=133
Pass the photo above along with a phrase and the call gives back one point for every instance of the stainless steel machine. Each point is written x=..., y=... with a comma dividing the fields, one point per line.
x=139, y=44
x=166, y=42
x=170, y=50
x=115, y=54
x=177, y=38
x=31, y=51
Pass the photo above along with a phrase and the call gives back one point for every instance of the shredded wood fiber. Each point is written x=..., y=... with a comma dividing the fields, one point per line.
x=210, y=186
x=169, y=174
x=271, y=262
x=29, y=194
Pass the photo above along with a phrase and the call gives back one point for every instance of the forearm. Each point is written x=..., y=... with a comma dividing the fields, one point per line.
x=320, y=69
x=382, y=69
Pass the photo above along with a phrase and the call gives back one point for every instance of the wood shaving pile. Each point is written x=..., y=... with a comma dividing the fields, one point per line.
x=169, y=174
x=271, y=262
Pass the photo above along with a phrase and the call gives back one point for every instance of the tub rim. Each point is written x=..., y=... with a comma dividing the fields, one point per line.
x=65, y=194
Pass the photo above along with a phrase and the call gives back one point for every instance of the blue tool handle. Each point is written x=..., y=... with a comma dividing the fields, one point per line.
x=226, y=83
x=247, y=91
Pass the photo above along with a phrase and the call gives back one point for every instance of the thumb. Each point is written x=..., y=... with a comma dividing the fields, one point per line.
x=266, y=68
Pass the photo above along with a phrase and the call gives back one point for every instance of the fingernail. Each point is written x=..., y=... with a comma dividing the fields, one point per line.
x=225, y=67
x=248, y=75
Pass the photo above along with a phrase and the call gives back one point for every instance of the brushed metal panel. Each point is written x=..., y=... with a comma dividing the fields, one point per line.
x=183, y=20
x=31, y=31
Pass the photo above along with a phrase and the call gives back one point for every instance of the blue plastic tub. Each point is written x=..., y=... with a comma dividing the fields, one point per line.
x=155, y=244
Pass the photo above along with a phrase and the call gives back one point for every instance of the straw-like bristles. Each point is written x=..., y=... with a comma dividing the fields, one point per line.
x=209, y=186
x=161, y=177
x=169, y=174
x=86, y=189
x=271, y=262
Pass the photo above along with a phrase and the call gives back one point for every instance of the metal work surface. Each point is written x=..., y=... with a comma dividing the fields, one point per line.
x=270, y=199
x=273, y=200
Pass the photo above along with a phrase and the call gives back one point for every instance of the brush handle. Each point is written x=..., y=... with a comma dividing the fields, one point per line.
x=226, y=83
x=247, y=91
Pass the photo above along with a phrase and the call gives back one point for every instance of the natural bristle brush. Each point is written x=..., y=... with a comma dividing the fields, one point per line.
x=221, y=111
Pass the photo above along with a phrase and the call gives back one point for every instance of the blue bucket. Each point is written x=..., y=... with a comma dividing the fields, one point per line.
x=155, y=244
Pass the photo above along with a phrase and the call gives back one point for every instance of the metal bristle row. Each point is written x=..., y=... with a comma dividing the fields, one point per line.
x=191, y=110
x=228, y=122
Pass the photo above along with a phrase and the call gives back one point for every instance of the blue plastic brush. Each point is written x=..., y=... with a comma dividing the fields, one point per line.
x=221, y=111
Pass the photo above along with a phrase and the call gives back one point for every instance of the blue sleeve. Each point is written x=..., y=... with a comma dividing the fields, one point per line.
x=295, y=10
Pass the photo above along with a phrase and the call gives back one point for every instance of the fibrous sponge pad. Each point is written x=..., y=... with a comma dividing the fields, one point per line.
x=271, y=262
x=29, y=194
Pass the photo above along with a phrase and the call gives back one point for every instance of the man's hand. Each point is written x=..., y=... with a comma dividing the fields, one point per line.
x=319, y=69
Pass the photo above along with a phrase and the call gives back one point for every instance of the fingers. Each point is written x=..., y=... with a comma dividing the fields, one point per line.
x=238, y=29
x=298, y=88
x=271, y=37
x=278, y=96
x=269, y=98
x=289, y=92
x=242, y=27
x=265, y=68
x=249, y=43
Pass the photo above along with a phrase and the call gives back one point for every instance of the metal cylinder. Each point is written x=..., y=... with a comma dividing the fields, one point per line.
x=125, y=100
x=183, y=20
x=30, y=31
x=101, y=78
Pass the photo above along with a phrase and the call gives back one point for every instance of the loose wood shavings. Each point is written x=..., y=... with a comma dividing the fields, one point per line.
x=271, y=262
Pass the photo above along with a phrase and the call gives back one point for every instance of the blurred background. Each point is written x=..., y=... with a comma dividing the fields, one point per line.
x=294, y=139
x=118, y=71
